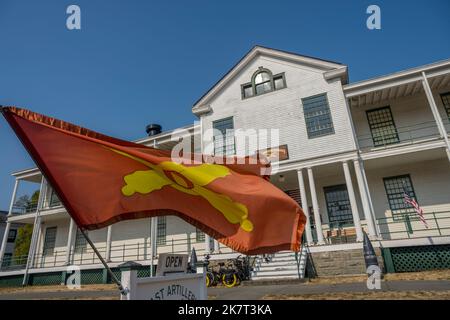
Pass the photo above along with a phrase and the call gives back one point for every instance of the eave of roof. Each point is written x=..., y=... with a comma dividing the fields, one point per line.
x=395, y=76
x=262, y=49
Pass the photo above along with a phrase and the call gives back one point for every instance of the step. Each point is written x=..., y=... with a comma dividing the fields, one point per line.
x=278, y=264
x=272, y=277
x=276, y=273
x=287, y=261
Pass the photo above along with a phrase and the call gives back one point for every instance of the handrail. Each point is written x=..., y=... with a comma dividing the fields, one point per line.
x=409, y=133
x=138, y=251
x=411, y=226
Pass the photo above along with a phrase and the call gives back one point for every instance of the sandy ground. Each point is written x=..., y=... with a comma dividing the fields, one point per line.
x=424, y=275
x=108, y=292
x=389, y=295
x=58, y=288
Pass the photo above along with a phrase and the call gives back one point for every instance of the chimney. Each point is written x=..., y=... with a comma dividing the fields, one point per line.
x=153, y=129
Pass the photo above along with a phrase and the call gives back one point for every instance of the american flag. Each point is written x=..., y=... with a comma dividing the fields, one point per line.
x=417, y=208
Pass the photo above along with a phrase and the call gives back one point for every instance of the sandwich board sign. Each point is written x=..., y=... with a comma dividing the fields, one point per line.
x=172, y=263
x=171, y=281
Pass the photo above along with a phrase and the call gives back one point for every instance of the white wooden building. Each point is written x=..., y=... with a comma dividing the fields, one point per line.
x=352, y=149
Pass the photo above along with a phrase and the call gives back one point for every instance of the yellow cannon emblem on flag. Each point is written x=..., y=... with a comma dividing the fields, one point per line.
x=191, y=180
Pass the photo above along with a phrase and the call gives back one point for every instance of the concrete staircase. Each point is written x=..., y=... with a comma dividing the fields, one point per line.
x=281, y=265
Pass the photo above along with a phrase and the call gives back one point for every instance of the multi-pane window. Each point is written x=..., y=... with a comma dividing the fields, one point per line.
x=12, y=235
x=279, y=82
x=247, y=90
x=54, y=200
x=395, y=191
x=224, y=137
x=446, y=102
x=80, y=242
x=49, y=241
x=161, y=231
x=317, y=116
x=262, y=82
x=382, y=126
x=199, y=235
x=7, y=259
x=338, y=205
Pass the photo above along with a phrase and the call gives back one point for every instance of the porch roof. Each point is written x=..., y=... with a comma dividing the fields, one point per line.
x=399, y=84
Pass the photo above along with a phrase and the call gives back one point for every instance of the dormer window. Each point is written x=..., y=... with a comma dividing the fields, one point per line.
x=262, y=82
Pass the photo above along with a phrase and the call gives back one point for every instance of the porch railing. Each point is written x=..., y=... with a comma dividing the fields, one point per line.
x=407, y=134
x=137, y=251
x=399, y=226
x=407, y=226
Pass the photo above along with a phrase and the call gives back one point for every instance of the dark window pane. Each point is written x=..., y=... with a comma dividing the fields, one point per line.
x=263, y=87
x=49, y=241
x=395, y=187
x=248, y=91
x=80, y=242
x=278, y=82
x=338, y=205
x=54, y=200
x=12, y=235
x=224, y=137
x=7, y=259
x=382, y=127
x=199, y=235
x=161, y=231
x=317, y=116
x=446, y=102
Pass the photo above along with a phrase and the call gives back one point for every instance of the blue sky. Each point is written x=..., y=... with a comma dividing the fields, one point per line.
x=138, y=62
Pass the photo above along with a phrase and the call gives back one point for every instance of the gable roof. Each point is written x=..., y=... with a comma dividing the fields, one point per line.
x=260, y=50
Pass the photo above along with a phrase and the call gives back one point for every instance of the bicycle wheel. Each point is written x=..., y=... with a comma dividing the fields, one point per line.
x=209, y=279
x=229, y=280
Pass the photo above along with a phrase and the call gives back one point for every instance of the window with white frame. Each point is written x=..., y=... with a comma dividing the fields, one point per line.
x=161, y=231
x=80, y=242
x=199, y=235
x=49, y=241
x=382, y=126
x=317, y=116
x=395, y=190
x=224, y=137
x=12, y=235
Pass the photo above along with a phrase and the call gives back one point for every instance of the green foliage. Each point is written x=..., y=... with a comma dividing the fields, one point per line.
x=23, y=240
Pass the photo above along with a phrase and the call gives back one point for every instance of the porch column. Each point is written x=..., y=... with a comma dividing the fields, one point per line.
x=305, y=207
x=216, y=246
x=435, y=111
x=363, y=191
x=72, y=228
x=37, y=224
x=153, y=230
x=315, y=203
x=8, y=224
x=352, y=198
x=108, y=243
x=153, y=247
x=207, y=243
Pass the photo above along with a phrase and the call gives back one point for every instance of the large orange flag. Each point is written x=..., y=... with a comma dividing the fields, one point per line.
x=102, y=180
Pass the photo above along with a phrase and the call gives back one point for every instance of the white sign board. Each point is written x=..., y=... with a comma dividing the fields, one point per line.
x=190, y=286
x=171, y=263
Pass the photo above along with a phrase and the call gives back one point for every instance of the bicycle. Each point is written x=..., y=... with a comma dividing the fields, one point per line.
x=237, y=271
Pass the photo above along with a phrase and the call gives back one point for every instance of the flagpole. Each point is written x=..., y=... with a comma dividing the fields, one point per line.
x=108, y=269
